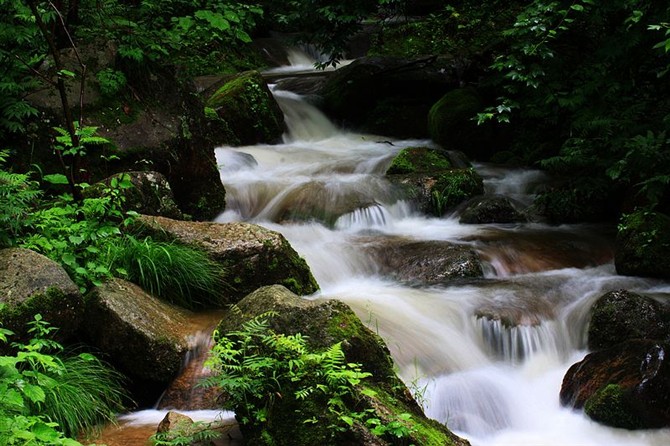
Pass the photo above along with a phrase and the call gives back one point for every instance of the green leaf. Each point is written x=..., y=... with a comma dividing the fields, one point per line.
x=55, y=178
x=34, y=393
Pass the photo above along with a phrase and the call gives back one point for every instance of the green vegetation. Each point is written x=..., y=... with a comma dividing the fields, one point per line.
x=453, y=187
x=173, y=272
x=264, y=375
x=47, y=396
x=419, y=160
x=610, y=405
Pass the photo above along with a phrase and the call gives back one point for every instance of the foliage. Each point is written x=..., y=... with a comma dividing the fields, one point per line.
x=18, y=194
x=174, y=272
x=44, y=397
x=78, y=234
x=254, y=366
x=111, y=81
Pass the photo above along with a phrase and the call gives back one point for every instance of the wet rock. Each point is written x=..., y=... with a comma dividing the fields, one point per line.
x=385, y=95
x=30, y=283
x=621, y=315
x=424, y=262
x=316, y=201
x=253, y=256
x=246, y=104
x=141, y=335
x=491, y=209
x=149, y=193
x=176, y=426
x=626, y=386
x=642, y=245
x=325, y=323
x=436, y=194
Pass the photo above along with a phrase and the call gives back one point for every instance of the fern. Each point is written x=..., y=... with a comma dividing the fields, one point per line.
x=18, y=195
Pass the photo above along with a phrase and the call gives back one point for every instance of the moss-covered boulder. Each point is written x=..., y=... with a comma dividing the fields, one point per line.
x=325, y=323
x=492, y=209
x=621, y=315
x=424, y=263
x=441, y=192
x=252, y=256
x=30, y=283
x=386, y=95
x=451, y=124
x=146, y=193
x=246, y=104
x=642, y=245
x=420, y=159
x=141, y=335
x=626, y=386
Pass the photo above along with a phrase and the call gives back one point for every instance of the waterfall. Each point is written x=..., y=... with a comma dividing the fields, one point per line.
x=485, y=357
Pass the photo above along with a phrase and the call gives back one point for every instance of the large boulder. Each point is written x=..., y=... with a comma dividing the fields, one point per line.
x=642, y=245
x=325, y=323
x=491, y=209
x=420, y=159
x=626, y=386
x=451, y=124
x=385, y=95
x=141, y=335
x=621, y=315
x=154, y=122
x=146, y=193
x=421, y=262
x=30, y=283
x=253, y=256
x=246, y=104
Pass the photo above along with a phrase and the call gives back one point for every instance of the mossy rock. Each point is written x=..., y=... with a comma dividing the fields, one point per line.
x=246, y=104
x=627, y=385
x=31, y=284
x=621, y=315
x=419, y=160
x=325, y=323
x=643, y=244
x=451, y=124
x=610, y=406
x=440, y=193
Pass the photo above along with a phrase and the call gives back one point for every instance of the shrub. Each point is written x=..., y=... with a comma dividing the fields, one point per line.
x=45, y=397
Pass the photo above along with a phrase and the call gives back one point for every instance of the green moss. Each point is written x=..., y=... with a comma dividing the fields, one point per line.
x=419, y=160
x=454, y=187
x=610, y=406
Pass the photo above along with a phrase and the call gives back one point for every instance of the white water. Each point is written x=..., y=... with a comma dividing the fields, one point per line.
x=491, y=384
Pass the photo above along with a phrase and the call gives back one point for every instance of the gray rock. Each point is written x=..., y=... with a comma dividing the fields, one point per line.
x=424, y=262
x=253, y=256
x=30, y=283
x=491, y=209
x=143, y=336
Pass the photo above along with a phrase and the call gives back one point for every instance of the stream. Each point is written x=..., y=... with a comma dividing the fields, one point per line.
x=490, y=383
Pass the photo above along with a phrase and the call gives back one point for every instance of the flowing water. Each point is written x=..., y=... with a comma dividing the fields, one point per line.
x=493, y=383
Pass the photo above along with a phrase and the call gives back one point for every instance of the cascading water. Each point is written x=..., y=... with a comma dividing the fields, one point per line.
x=485, y=357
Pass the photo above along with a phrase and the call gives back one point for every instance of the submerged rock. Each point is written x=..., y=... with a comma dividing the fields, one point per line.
x=621, y=315
x=325, y=323
x=252, y=256
x=31, y=283
x=626, y=386
x=424, y=262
